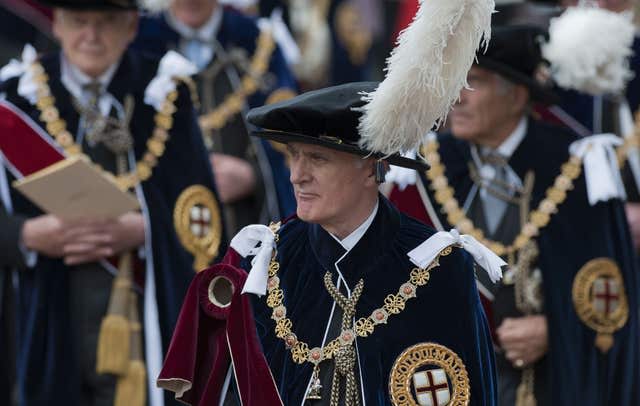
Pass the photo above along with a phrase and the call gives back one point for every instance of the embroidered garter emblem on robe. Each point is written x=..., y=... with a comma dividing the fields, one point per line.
x=600, y=300
x=429, y=374
x=196, y=217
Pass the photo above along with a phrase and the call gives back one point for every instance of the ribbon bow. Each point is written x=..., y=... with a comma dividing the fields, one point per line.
x=172, y=65
x=255, y=240
x=20, y=68
x=424, y=254
x=600, y=167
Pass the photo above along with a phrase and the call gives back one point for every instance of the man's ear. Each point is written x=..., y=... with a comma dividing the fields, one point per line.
x=520, y=98
x=133, y=27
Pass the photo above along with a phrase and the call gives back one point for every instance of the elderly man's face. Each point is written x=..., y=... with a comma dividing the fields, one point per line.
x=94, y=40
x=328, y=184
x=482, y=111
x=194, y=13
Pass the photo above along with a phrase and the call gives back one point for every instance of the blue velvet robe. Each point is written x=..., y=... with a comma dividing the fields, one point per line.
x=446, y=311
x=577, y=373
x=156, y=36
x=47, y=372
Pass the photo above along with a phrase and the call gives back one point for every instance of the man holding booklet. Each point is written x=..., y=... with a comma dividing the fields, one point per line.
x=108, y=207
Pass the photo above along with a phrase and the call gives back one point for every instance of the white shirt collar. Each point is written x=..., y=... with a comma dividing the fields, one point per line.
x=509, y=146
x=352, y=239
x=205, y=33
x=74, y=79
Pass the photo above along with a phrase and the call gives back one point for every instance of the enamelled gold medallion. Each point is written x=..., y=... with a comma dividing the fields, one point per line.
x=429, y=374
x=600, y=300
x=196, y=217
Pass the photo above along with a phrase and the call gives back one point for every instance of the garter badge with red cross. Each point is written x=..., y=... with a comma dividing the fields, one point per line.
x=196, y=217
x=600, y=300
x=429, y=374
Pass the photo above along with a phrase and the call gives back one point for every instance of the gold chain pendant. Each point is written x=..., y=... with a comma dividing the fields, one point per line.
x=315, y=390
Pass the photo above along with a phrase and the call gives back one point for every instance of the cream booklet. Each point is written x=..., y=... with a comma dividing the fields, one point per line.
x=74, y=188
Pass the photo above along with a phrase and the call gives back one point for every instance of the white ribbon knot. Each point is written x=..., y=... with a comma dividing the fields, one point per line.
x=27, y=87
x=424, y=254
x=258, y=240
x=16, y=67
x=282, y=36
x=171, y=65
x=600, y=167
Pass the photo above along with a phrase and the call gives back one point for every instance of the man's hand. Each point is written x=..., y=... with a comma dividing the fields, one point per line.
x=633, y=218
x=95, y=241
x=83, y=241
x=234, y=177
x=523, y=339
x=44, y=235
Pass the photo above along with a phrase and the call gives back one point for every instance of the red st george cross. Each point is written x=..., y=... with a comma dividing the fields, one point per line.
x=199, y=220
x=431, y=387
x=605, y=295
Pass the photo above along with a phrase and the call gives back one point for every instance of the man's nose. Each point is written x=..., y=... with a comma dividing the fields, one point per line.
x=298, y=171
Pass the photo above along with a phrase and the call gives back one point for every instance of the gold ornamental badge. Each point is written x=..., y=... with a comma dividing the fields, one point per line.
x=196, y=217
x=429, y=374
x=600, y=300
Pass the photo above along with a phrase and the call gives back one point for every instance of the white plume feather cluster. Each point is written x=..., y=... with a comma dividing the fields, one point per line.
x=588, y=49
x=425, y=73
x=154, y=6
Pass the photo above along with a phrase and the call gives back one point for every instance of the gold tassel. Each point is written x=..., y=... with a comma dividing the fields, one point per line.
x=525, y=395
x=131, y=389
x=114, y=342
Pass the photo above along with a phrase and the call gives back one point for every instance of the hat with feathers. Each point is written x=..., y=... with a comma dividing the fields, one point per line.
x=589, y=50
x=424, y=76
x=515, y=54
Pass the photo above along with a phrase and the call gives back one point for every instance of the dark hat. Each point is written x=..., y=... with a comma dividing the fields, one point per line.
x=327, y=117
x=525, y=13
x=514, y=52
x=93, y=4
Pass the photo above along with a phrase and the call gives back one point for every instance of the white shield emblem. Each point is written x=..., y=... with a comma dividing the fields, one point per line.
x=431, y=387
x=199, y=220
x=606, y=295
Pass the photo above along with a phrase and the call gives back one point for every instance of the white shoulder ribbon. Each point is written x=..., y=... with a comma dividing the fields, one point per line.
x=600, y=167
x=255, y=240
x=20, y=68
x=171, y=65
x=282, y=36
x=428, y=251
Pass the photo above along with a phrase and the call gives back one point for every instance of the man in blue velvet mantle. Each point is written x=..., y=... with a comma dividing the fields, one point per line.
x=240, y=65
x=349, y=280
x=98, y=297
x=349, y=302
x=566, y=311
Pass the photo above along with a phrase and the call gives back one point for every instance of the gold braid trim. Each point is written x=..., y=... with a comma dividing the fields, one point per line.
x=537, y=219
x=631, y=142
x=57, y=127
x=363, y=327
x=234, y=102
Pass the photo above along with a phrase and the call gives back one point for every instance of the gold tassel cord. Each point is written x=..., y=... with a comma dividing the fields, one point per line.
x=525, y=395
x=345, y=356
x=131, y=389
x=114, y=340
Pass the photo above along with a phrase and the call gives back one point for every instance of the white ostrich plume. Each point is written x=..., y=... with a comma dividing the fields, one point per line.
x=589, y=48
x=154, y=6
x=425, y=73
